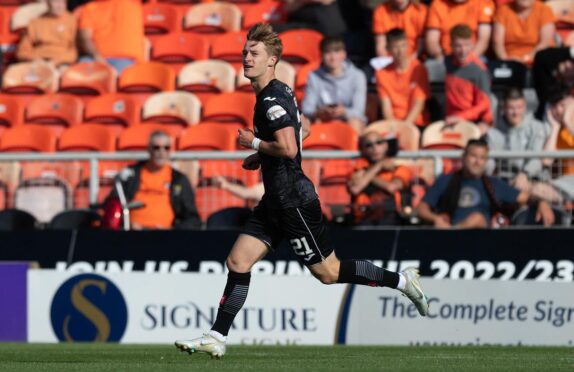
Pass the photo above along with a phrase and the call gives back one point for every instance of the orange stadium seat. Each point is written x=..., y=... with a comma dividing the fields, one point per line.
x=58, y=110
x=143, y=79
x=212, y=18
x=161, y=19
x=88, y=78
x=87, y=137
x=230, y=108
x=206, y=78
x=11, y=111
x=25, y=13
x=136, y=138
x=301, y=78
x=116, y=110
x=208, y=137
x=284, y=72
x=440, y=136
x=28, y=138
x=210, y=199
x=407, y=134
x=229, y=47
x=30, y=78
x=301, y=46
x=264, y=11
x=177, y=49
x=331, y=136
x=7, y=38
x=181, y=108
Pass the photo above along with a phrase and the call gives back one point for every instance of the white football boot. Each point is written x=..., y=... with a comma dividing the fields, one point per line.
x=413, y=290
x=204, y=344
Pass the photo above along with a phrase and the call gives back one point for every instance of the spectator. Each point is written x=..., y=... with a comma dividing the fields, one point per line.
x=467, y=83
x=337, y=90
x=403, y=86
x=552, y=67
x=321, y=15
x=112, y=31
x=468, y=198
x=522, y=28
x=248, y=193
x=559, y=127
x=166, y=193
x=408, y=15
x=445, y=14
x=518, y=130
x=376, y=182
x=51, y=37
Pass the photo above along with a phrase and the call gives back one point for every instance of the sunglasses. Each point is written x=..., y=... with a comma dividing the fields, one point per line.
x=157, y=148
x=368, y=145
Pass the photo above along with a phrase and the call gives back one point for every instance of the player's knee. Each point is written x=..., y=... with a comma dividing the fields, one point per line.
x=327, y=278
x=237, y=265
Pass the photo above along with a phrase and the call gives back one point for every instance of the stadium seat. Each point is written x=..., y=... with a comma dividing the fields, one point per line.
x=206, y=78
x=88, y=79
x=161, y=19
x=88, y=137
x=264, y=11
x=208, y=137
x=229, y=47
x=407, y=134
x=28, y=138
x=234, y=217
x=301, y=78
x=210, y=199
x=57, y=110
x=145, y=78
x=301, y=46
x=11, y=111
x=230, y=108
x=119, y=111
x=136, y=138
x=75, y=219
x=212, y=18
x=178, y=49
x=440, y=136
x=30, y=78
x=7, y=39
x=180, y=108
x=331, y=136
x=16, y=220
x=25, y=13
x=43, y=197
x=284, y=72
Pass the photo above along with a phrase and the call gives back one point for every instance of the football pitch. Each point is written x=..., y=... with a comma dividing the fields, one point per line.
x=113, y=357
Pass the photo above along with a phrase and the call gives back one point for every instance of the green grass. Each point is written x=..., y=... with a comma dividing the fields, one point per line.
x=110, y=357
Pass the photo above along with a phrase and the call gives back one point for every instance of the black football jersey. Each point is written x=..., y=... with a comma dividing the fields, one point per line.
x=286, y=186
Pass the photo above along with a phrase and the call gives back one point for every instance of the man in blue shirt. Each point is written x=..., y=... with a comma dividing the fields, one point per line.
x=468, y=198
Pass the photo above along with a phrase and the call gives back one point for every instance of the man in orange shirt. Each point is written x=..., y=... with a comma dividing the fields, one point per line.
x=445, y=14
x=403, y=86
x=112, y=31
x=166, y=193
x=376, y=183
x=51, y=37
x=521, y=29
x=408, y=15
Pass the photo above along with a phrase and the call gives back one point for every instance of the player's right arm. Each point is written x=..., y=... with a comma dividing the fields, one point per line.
x=284, y=145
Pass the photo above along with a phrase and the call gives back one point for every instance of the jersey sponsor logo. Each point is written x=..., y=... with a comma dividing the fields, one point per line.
x=269, y=99
x=275, y=112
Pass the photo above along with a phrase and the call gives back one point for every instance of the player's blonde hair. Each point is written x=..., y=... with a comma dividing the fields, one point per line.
x=264, y=33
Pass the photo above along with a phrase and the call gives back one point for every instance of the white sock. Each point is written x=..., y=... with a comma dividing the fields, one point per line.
x=218, y=336
x=402, y=282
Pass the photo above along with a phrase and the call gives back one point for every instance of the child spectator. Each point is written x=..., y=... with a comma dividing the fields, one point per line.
x=522, y=28
x=403, y=86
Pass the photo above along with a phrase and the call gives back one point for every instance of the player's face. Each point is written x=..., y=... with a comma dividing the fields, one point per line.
x=461, y=48
x=256, y=60
x=399, y=50
x=474, y=160
x=159, y=150
x=373, y=147
x=514, y=110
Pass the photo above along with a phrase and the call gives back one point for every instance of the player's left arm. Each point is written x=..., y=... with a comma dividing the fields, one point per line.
x=284, y=145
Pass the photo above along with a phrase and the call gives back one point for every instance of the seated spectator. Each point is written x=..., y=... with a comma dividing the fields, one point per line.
x=337, y=90
x=105, y=39
x=469, y=198
x=408, y=15
x=321, y=15
x=51, y=37
x=518, y=130
x=403, y=86
x=522, y=28
x=467, y=83
x=558, y=99
x=552, y=67
x=166, y=193
x=445, y=14
x=376, y=182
